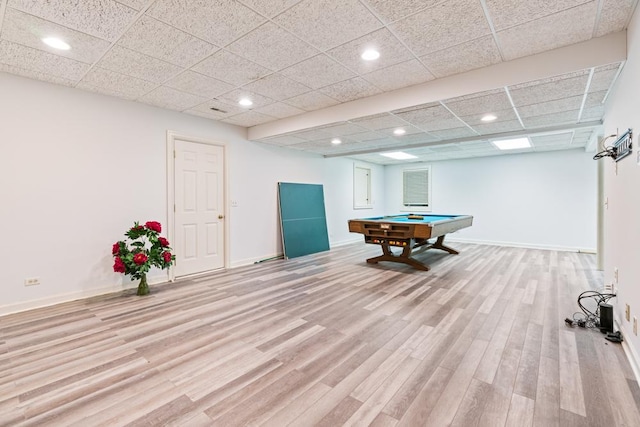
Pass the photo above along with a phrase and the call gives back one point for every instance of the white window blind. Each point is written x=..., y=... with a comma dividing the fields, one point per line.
x=415, y=191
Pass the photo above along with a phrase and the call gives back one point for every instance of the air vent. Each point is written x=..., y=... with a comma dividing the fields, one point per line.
x=217, y=109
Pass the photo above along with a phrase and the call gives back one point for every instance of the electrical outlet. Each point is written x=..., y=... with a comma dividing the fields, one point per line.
x=31, y=281
x=635, y=325
x=615, y=275
x=627, y=312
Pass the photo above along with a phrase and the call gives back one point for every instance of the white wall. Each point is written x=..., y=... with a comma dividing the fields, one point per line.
x=622, y=225
x=543, y=200
x=77, y=168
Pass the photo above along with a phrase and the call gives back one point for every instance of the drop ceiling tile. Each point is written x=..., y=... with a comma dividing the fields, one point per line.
x=311, y=101
x=573, y=84
x=435, y=29
x=343, y=129
x=569, y=117
x=466, y=56
x=380, y=121
x=461, y=132
x=595, y=99
x=269, y=8
x=231, y=68
x=106, y=19
x=173, y=99
x=390, y=49
x=276, y=86
x=28, y=30
x=134, y=4
x=497, y=127
x=391, y=11
x=502, y=116
x=556, y=138
x=219, y=22
x=221, y=109
x=592, y=113
x=318, y=72
x=272, y=47
x=199, y=84
x=279, y=110
x=313, y=134
x=401, y=75
x=162, y=41
x=116, y=84
x=479, y=105
x=135, y=64
x=551, y=107
x=432, y=117
x=569, y=27
x=326, y=23
x=248, y=118
x=38, y=61
x=366, y=136
x=614, y=16
x=236, y=95
x=36, y=75
x=509, y=13
x=408, y=129
x=418, y=138
x=350, y=90
x=602, y=79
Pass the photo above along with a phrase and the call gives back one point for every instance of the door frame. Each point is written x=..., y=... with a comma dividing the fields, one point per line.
x=171, y=195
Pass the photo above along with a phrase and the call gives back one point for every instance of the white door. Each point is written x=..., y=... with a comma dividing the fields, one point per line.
x=199, y=207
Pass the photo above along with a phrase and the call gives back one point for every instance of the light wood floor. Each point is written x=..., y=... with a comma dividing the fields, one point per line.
x=327, y=340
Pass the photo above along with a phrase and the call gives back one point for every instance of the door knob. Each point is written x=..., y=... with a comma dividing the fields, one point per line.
x=220, y=216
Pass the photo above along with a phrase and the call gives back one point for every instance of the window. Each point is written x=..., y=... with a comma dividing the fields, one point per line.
x=361, y=187
x=416, y=189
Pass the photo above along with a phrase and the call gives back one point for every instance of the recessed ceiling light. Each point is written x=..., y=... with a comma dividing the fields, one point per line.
x=488, y=118
x=370, y=55
x=336, y=141
x=56, y=43
x=399, y=155
x=512, y=144
x=245, y=102
x=399, y=131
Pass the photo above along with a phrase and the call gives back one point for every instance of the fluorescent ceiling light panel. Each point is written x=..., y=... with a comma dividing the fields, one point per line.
x=398, y=155
x=512, y=144
x=399, y=131
x=336, y=141
x=488, y=118
x=56, y=43
x=245, y=102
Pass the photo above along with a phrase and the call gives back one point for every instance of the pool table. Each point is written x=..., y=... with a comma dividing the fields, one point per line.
x=409, y=232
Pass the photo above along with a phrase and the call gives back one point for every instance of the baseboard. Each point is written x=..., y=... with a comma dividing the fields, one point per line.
x=450, y=238
x=73, y=296
x=346, y=242
x=629, y=351
x=249, y=261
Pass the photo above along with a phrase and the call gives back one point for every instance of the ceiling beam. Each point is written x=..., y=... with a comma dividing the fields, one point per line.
x=592, y=53
x=494, y=136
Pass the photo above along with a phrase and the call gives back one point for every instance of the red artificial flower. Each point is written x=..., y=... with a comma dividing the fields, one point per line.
x=167, y=257
x=118, y=265
x=140, y=258
x=116, y=248
x=137, y=228
x=163, y=242
x=154, y=225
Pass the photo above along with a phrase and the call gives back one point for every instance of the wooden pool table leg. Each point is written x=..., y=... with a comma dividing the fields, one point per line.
x=404, y=257
x=438, y=245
